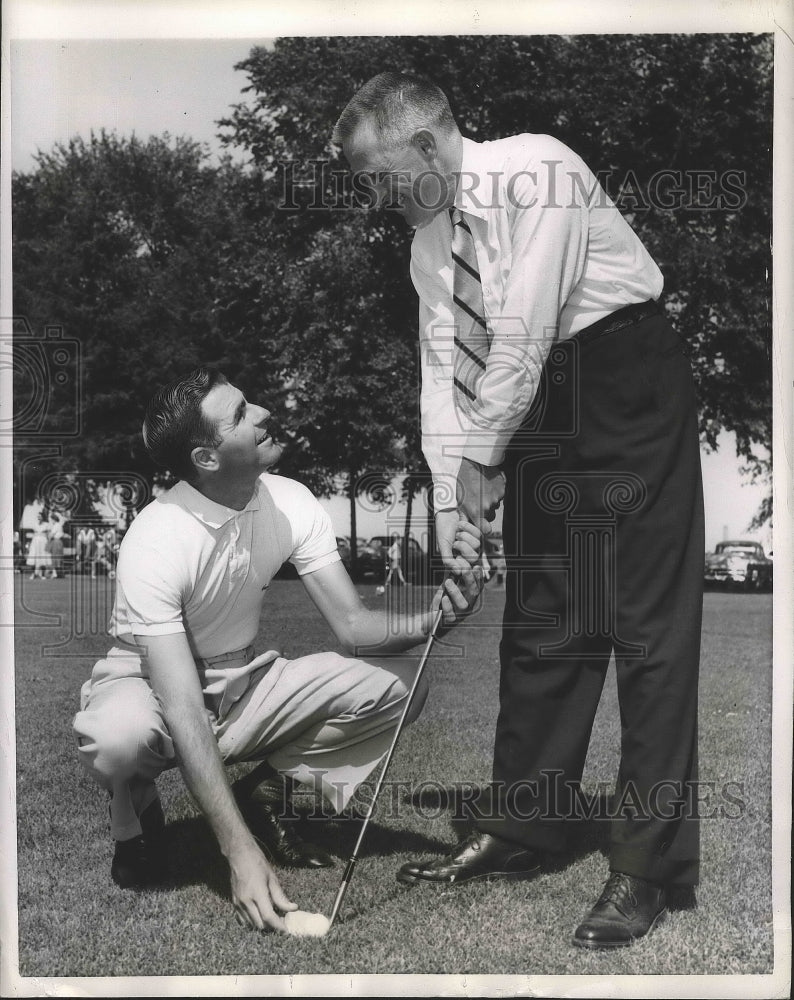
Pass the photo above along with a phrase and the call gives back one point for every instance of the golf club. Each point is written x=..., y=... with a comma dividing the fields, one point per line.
x=351, y=864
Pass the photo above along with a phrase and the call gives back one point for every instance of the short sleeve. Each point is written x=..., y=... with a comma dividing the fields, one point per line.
x=315, y=541
x=148, y=590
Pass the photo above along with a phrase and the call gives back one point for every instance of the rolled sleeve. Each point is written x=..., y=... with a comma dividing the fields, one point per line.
x=314, y=541
x=166, y=628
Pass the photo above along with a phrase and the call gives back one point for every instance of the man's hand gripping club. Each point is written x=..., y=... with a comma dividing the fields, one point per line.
x=458, y=595
x=480, y=491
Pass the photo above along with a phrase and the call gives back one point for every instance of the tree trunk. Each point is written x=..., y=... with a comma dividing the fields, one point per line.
x=351, y=494
x=433, y=574
x=409, y=504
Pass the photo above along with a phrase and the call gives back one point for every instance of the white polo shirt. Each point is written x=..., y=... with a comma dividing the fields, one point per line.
x=188, y=564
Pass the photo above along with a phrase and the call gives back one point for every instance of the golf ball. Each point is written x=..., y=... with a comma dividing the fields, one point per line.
x=303, y=924
x=380, y=590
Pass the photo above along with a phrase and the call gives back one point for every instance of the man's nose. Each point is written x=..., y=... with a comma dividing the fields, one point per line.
x=261, y=414
x=386, y=194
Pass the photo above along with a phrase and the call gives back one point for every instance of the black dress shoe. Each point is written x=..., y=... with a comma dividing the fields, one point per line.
x=627, y=909
x=478, y=856
x=141, y=861
x=262, y=809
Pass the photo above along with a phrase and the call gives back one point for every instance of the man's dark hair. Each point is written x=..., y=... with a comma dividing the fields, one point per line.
x=396, y=105
x=174, y=424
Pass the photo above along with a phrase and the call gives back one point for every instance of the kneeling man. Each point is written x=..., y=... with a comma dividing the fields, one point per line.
x=182, y=685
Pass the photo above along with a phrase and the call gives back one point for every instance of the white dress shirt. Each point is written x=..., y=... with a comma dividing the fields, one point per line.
x=188, y=564
x=554, y=255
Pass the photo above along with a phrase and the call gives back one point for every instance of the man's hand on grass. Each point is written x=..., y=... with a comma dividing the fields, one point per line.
x=256, y=892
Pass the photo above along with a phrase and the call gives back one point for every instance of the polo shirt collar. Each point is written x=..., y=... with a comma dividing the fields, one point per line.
x=213, y=514
x=472, y=197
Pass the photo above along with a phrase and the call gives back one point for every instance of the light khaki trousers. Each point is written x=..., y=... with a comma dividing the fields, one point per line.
x=324, y=719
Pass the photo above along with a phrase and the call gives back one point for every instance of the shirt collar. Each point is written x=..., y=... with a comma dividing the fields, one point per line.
x=475, y=190
x=213, y=514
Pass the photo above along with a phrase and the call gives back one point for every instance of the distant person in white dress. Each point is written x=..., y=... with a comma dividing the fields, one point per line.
x=39, y=558
x=56, y=547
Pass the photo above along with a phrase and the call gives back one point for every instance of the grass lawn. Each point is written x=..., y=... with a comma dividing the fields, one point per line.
x=74, y=922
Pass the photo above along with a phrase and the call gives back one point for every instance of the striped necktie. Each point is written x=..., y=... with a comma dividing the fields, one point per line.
x=471, y=332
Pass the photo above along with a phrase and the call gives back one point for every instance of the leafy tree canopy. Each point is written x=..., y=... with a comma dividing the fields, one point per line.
x=678, y=127
x=156, y=261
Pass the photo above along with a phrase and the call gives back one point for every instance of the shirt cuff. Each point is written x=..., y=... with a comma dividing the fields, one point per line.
x=162, y=628
x=445, y=490
x=319, y=563
x=487, y=447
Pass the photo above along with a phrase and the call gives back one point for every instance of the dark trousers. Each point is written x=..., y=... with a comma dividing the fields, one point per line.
x=603, y=532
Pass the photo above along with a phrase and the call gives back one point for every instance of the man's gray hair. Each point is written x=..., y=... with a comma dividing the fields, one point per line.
x=395, y=105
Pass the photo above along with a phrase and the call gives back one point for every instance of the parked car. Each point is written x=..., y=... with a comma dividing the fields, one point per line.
x=739, y=563
x=343, y=547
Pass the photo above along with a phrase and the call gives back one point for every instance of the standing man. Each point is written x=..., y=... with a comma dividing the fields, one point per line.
x=551, y=379
x=85, y=549
x=395, y=561
x=182, y=685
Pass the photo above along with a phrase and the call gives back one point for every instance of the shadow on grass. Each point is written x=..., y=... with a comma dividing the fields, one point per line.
x=681, y=897
x=339, y=837
x=195, y=859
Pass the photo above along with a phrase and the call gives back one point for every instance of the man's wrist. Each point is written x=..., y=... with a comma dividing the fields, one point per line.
x=236, y=842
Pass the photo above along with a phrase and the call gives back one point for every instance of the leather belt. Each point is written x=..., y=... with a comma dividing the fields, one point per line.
x=246, y=655
x=620, y=319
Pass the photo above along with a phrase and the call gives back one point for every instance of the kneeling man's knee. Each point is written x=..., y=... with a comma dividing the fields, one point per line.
x=382, y=690
x=122, y=746
x=420, y=697
x=401, y=689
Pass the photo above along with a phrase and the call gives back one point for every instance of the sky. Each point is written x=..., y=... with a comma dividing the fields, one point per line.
x=61, y=89
x=66, y=87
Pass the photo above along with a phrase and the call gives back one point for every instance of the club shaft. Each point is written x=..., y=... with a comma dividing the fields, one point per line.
x=387, y=760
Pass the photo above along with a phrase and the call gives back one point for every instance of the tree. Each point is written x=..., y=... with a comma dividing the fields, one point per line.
x=123, y=244
x=678, y=126
x=154, y=262
x=347, y=374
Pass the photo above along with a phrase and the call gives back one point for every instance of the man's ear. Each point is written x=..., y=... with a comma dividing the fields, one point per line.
x=425, y=142
x=204, y=459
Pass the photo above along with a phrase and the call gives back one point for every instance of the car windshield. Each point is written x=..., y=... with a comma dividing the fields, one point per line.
x=729, y=548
